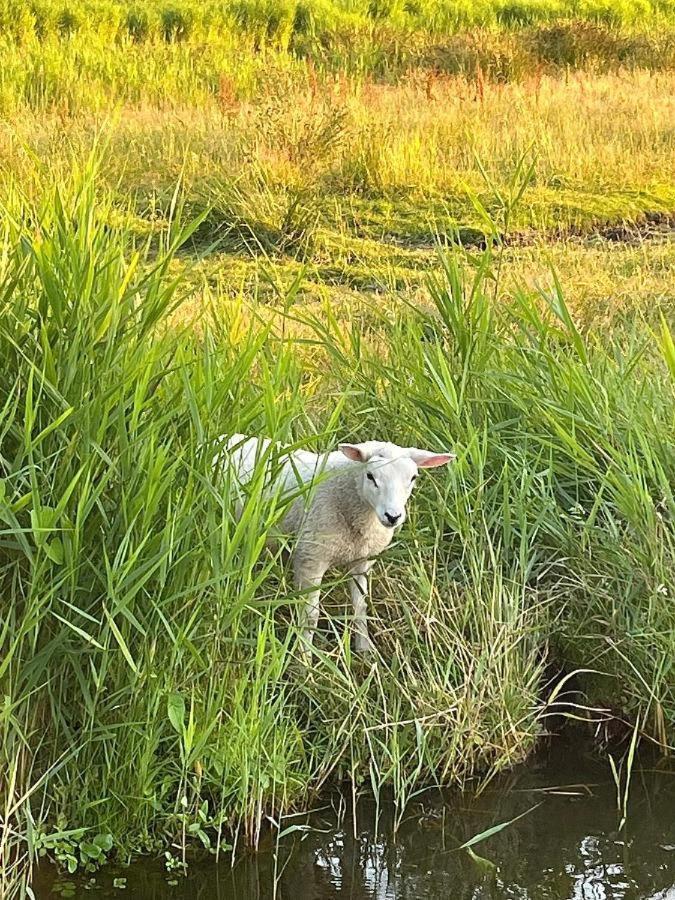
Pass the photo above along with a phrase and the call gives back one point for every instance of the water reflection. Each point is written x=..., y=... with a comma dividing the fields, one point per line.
x=568, y=847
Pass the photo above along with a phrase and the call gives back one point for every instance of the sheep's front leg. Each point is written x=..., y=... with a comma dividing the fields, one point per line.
x=308, y=580
x=359, y=591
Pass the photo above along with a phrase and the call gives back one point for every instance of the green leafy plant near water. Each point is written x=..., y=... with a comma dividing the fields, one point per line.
x=152, y=690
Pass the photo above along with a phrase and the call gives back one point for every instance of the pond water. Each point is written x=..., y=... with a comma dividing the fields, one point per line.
x=568, y=846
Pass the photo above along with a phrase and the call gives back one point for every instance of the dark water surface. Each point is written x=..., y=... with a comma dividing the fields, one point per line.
x=568, y=847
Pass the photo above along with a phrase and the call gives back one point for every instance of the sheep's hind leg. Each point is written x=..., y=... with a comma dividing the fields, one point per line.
x=304, y=580
x=359, y=592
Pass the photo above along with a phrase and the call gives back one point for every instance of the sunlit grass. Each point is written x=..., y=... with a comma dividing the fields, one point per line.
x=266, y=242
x=307, y=173
x=148, y=651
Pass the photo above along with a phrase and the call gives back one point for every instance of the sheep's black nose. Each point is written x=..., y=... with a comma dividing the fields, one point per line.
x=392, y=519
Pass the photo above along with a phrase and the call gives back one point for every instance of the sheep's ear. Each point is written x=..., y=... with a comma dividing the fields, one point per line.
x=426, y=459
x=355, y=452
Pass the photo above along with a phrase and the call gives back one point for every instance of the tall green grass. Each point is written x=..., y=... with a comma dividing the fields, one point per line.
x=152, y=689
x=286, y=21
x=73, y=55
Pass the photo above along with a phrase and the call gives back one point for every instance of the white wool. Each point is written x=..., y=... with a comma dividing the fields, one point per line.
x=357, y=500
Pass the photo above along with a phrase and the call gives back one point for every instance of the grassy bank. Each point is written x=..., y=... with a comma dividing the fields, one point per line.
x=243, y=225
x=152, y=690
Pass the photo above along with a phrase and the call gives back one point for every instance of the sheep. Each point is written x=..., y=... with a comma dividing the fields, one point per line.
x=356, y=504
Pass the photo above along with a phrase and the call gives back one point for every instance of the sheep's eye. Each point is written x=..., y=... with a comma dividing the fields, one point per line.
x=413, y=479
x=371, y=477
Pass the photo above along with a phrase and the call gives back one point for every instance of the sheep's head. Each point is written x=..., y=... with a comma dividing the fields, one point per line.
x=389, y=474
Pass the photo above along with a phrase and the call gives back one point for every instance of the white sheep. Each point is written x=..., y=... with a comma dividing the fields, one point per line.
x=357, y=498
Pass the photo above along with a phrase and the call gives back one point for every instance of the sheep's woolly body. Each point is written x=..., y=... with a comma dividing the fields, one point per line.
x=346, y=517
x=337, y=528
x=332, y=523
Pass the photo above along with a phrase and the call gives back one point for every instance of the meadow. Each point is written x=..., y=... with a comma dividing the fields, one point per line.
x=323, y=222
